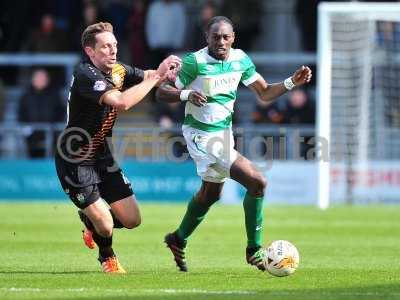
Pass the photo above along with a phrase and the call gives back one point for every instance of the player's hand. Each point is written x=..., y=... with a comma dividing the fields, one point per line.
x=302, y=75
x=173, y=71
x=197, y=98
x=172, y=62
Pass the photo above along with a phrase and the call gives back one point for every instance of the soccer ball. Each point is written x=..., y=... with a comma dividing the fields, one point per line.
x=281, y=258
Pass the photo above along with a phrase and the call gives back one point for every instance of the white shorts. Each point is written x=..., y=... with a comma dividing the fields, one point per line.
x=212, y=152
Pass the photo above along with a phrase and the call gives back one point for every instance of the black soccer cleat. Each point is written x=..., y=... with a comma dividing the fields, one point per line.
x=256, y=257
x=177, y=247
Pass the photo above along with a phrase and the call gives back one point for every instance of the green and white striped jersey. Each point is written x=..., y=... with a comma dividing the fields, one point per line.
x=219, y=81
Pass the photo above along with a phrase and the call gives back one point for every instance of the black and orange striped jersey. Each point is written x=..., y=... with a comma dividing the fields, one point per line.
x=90, y=122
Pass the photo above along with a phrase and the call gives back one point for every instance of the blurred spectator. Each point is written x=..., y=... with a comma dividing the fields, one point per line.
x=117, y=13
x=165, y=29
x=67, y=13
x=40, y=104
x=265, y=113
x=300, y=109
x=207, y=12
x=388, y=35
x=388, y=72
x=137, y=38
x=90, y=15
x=47, y=38
x=268, y=113
x=246, y=16
x=169, y=114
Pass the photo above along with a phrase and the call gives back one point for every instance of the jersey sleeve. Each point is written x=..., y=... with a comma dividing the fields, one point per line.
x=133, y=76
x=188, y=72
x=91, y=84
x=249, y=75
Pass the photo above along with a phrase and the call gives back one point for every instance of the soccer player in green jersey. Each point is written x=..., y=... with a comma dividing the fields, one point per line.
x=208, y=82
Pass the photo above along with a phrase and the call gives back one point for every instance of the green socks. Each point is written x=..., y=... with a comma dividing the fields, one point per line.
x=195, y=213
x=253, y=211
x=253, y=214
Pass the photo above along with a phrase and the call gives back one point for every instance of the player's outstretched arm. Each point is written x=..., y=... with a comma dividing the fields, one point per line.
x=269, y=92
x=130, y=97
x=125, y=100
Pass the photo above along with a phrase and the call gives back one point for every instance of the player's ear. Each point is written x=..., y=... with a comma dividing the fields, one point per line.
x=207, y=36
x=89, y=51
x=233, y=36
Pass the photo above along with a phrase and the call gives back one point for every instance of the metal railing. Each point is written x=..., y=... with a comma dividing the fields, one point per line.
x=153, y=143
x=68, y=61
x=249, y=137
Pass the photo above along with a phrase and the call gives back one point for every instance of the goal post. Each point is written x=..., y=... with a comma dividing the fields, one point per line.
x=358, y=95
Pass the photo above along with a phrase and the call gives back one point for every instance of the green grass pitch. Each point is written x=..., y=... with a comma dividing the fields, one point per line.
x=345, y=253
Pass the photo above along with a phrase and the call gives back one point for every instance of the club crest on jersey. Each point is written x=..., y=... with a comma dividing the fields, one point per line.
x=80, y=197
x=99, y=86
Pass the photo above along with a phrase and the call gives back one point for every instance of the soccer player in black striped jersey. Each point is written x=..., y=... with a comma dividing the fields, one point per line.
x=88, y=173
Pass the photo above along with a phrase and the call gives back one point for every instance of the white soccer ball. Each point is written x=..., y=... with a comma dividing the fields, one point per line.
x=281, y=258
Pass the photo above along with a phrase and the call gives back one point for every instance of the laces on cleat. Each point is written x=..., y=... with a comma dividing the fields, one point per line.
x=177, y=248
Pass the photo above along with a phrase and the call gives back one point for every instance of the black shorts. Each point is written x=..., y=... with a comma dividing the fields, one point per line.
x=86, y=184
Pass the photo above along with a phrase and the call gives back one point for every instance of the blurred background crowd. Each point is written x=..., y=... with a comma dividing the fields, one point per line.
x=280, y=35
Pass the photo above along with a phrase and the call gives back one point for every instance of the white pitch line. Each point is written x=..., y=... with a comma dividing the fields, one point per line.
x=196, y=291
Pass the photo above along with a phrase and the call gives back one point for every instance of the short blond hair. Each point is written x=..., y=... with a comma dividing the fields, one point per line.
x=88, y=37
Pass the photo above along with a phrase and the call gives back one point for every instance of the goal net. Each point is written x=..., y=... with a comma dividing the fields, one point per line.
x=358, y=108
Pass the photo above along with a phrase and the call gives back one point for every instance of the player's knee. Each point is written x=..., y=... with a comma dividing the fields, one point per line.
x=208, y=198
x=214, y=196
x=259, y=184
x=133, y=222
x=105, y=230
x=263, y=183
x=104, y=226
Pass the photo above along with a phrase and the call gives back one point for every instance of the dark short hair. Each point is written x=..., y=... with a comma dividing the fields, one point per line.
x=88, y=37
x=218, y=19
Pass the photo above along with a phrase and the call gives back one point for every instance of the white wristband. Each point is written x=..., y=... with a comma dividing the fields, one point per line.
x=288, y=83
x=185, y=95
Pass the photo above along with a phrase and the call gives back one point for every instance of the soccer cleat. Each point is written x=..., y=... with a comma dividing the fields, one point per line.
x=111, y=265
x=256, y=257
x=87, y=234
x=177, y=247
